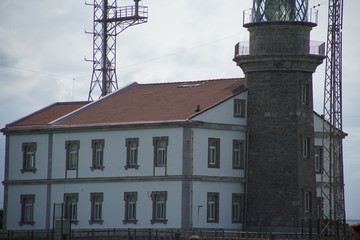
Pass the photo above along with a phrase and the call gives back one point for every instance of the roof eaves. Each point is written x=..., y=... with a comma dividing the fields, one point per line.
x=91, y=104
x=241, y=90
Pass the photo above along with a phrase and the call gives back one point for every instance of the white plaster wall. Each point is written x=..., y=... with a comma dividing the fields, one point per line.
x=225, y=190
x=200, y=158
x=115, y=152
x=16, y=156
x=14, y=206
x=224, y=112
x=114, y=205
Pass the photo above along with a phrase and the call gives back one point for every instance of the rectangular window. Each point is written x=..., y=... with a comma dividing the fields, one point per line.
x=159, y=207
x=98, y=154
x=305, y=94
x=71, y=200
x=27, y=209
x=213, y=207
x=239, y=108
x=213, y=152
x=96, y=207
x=29, y=154
x=237, y=206
x=132, y=145
x=130, y=199
x=306, y=147
x=308, y=202
x=72, y=154
x=160, y=151
x=238, y=154
x=318, y=159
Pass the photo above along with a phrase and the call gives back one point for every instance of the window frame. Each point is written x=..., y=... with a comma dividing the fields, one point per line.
x=96, y=200
x=156, y=201
x=305, y=94
x=319, y=159
x=306, y=147
x=69, y=153
x=70, y=207
x=156, y=142
x=130, y=197
x=213, y=152
x=239, y=108
x=29, y=147
x=212, y=207
x=97, y=164
x=238, y=201
x=308, y=202
x=129, y=150
x=238, y=153
x=24, y=218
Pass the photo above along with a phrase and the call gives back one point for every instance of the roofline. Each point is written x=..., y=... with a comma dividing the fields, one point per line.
x=94, y=103
x=44, y=108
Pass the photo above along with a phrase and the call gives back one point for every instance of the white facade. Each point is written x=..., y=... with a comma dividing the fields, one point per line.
x=187, y=178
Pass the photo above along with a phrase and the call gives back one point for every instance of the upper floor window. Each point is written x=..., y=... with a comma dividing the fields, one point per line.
x=159, y=207
x=213, y=152
x=306, y=147
x=238, y=154
x=160, y=151
x=27, y=209
x=98, y=154
x=305, y=94
x=237, y=206
x=130, y=199
x=308, y=202
x=239, y=108
x=96, y=207
x=132, y=145
x=72, y=154
x=318, y=159
x=71, y=200
x=213, y=207
x=29, y=156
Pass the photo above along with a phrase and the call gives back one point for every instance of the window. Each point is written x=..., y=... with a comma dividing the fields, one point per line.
x=132, y=145
x=308, y=202
x=237, y=206
x=96, y=208
x=238, y=154
x=71, y=200
x=27, y=209
x=214, y=153
x=29, y=150
x=72, y=154
x=160, y=151
x=98, y=154
x=305, y=94
x=159, y=207
x=130, y=199
x=213, y=207
x=306, y=147
x=239, y=108
x=318, y=159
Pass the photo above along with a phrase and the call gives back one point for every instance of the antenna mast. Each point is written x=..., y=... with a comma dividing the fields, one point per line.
x=109, y=21
x=332, y=189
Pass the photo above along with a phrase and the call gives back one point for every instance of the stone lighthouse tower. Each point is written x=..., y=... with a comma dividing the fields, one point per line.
x=281, y=184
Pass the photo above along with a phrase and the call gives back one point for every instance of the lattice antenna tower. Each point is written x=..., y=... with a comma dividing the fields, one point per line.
x=332, y=190
x=109, y=21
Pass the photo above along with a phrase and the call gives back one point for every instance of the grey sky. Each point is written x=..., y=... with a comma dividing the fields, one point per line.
x=43, y=46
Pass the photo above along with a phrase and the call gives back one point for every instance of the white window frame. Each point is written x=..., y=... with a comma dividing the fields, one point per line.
x=239, y=108
x=212, y=207
x=29, y=157
x=159, y=207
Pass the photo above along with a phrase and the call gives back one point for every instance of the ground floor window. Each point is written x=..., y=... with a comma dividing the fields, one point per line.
x=27, y=209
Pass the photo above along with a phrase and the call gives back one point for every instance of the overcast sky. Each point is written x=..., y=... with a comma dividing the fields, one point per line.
x=43, y=46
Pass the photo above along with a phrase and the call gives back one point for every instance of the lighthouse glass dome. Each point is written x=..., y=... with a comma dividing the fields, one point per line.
x=280, y=10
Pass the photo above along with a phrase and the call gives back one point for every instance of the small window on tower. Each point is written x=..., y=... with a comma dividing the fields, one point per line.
x=305, y=94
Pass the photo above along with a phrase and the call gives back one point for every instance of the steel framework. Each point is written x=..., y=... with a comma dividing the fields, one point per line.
x=332, y=189
x=109, y=21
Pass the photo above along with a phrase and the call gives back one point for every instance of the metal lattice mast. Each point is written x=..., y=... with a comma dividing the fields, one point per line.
x=109, y=21
x=332, y=190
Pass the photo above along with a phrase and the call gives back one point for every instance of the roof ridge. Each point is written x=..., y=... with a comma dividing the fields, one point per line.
x=189, y=81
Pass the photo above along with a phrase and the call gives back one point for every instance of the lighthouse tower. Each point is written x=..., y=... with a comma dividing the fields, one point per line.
x=281, y=184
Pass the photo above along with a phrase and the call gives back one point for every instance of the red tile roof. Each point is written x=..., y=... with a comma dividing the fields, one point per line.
x=139, y=103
